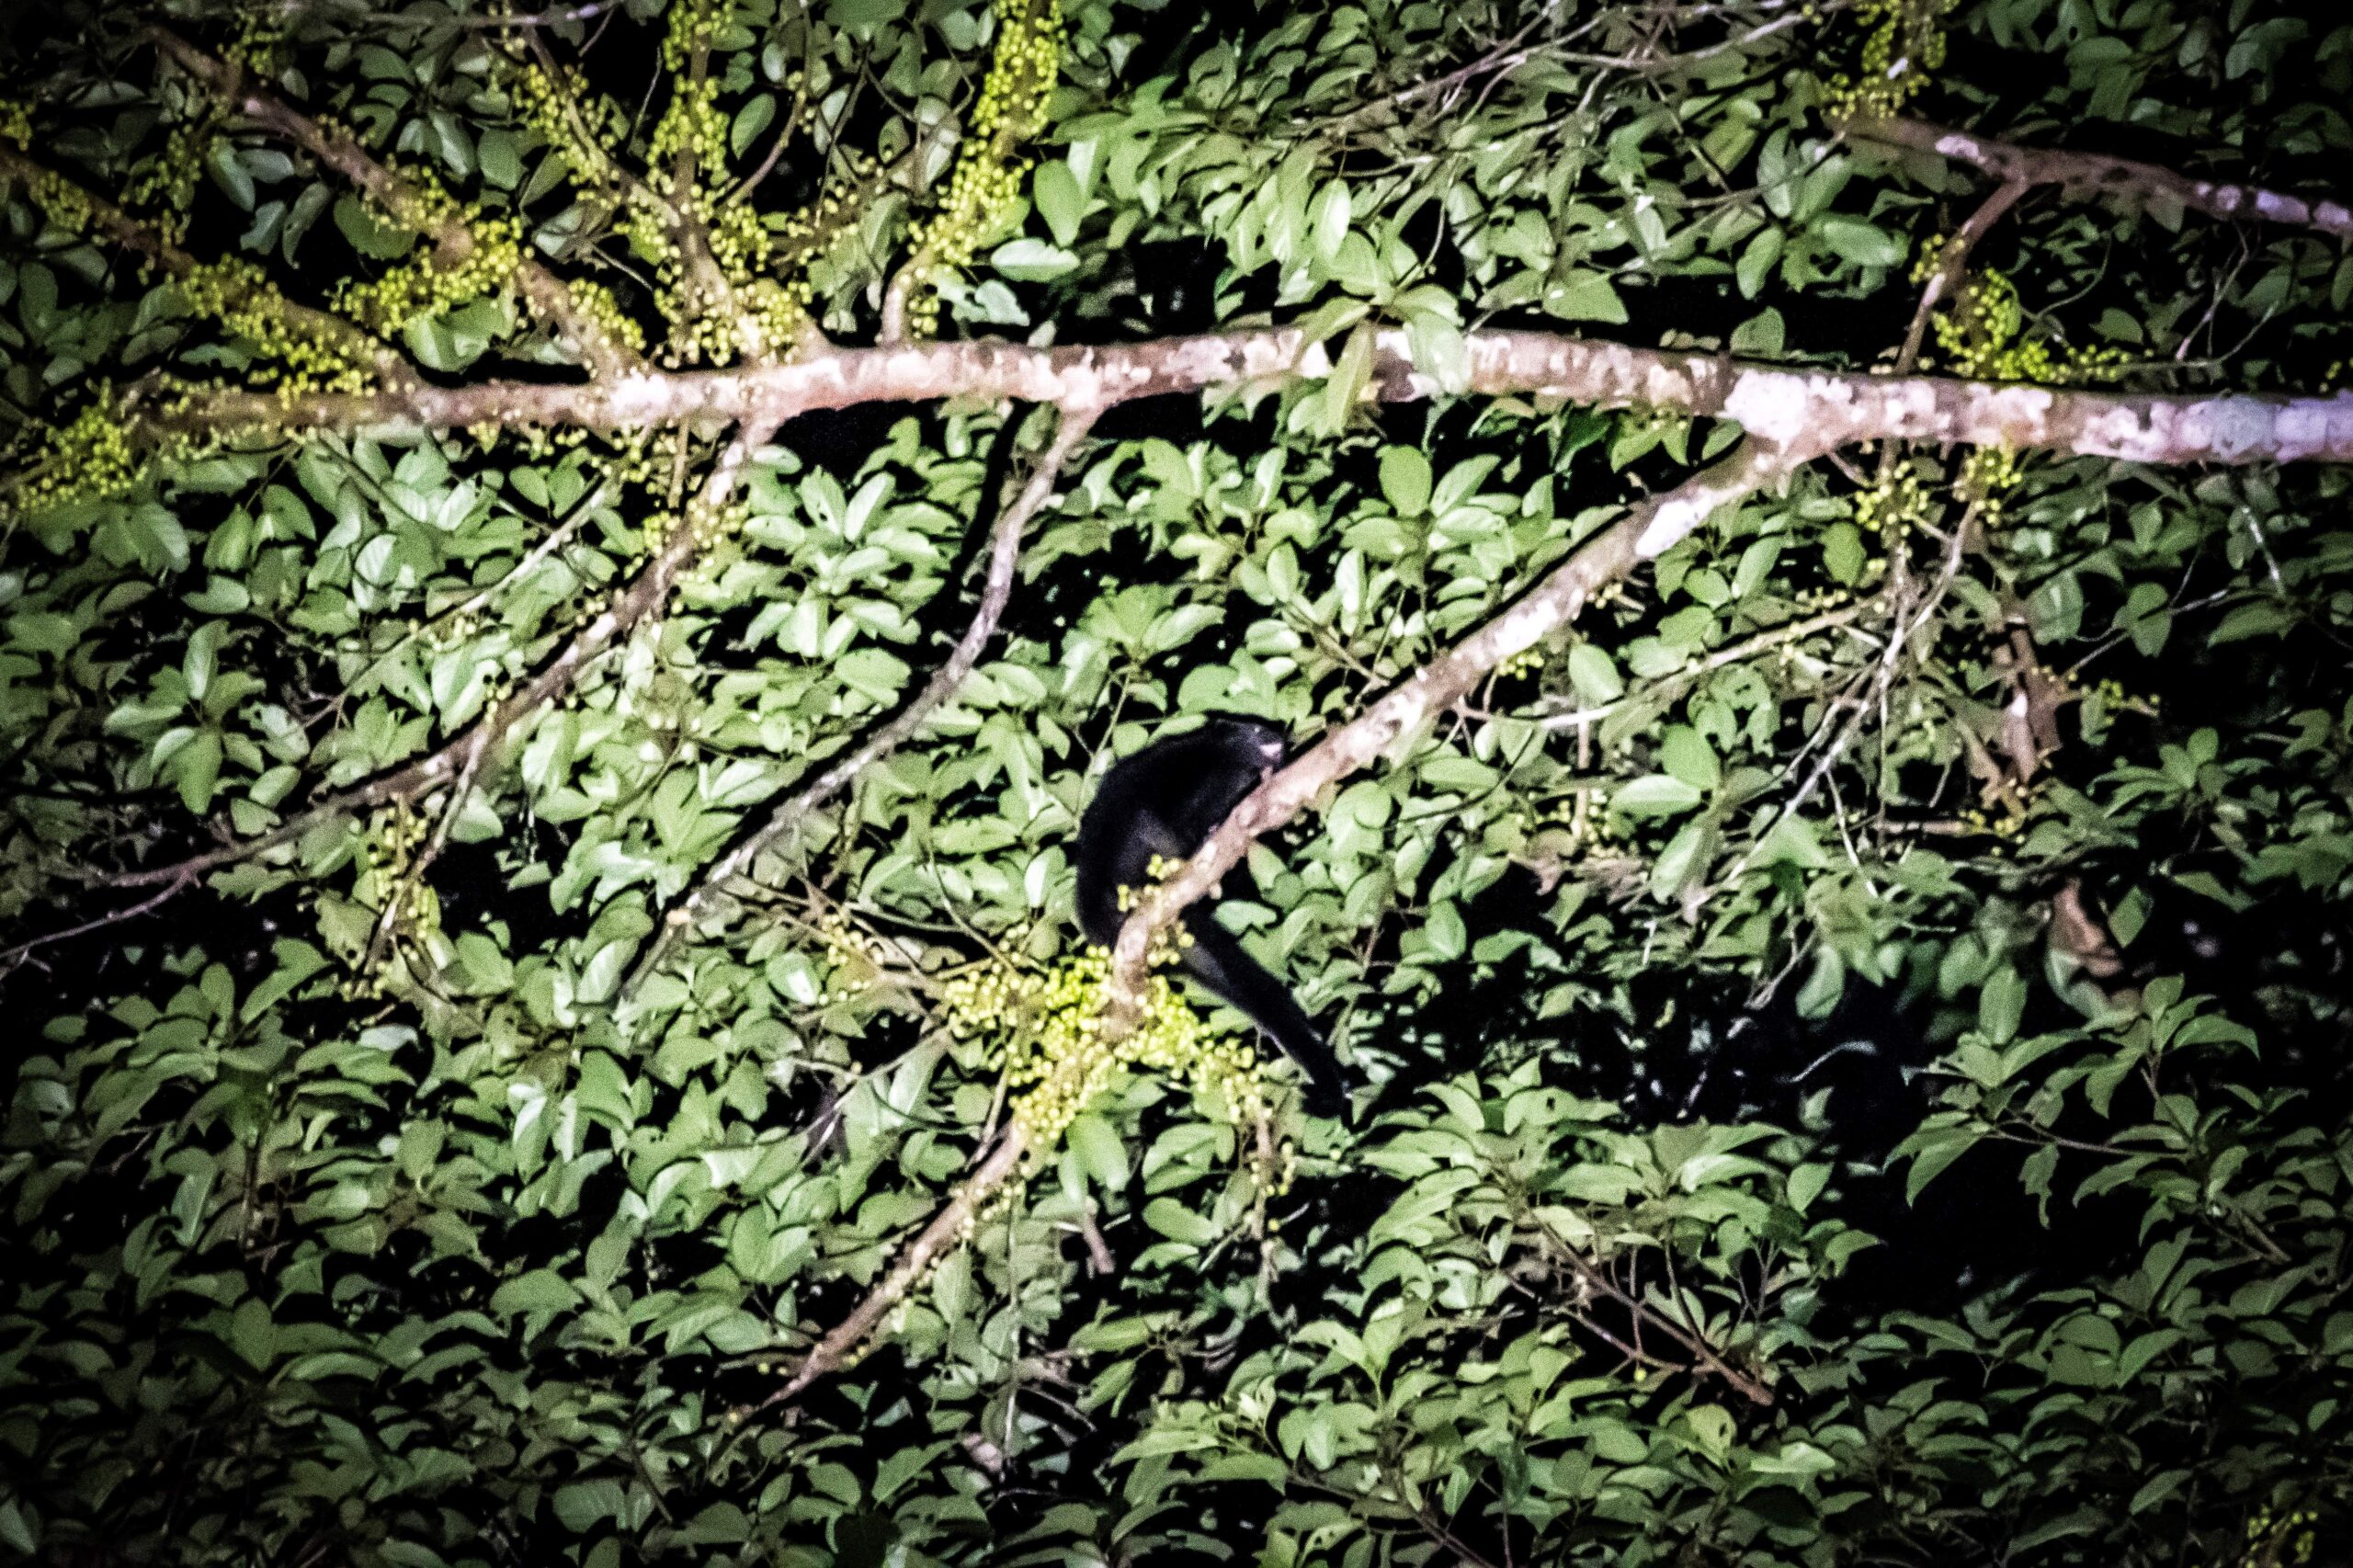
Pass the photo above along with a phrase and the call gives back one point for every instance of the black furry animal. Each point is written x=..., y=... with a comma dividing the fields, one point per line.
x=1164, y=800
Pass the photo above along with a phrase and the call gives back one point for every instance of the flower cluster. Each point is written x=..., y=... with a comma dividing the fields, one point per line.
x=986, y=181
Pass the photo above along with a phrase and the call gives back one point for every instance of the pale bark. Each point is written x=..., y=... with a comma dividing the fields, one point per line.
x=1823, y=408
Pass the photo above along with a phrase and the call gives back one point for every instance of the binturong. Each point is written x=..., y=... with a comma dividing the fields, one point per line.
x=1164, y=801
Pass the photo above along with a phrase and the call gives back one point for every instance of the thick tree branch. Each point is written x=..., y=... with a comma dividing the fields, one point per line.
x=2008, y=161
x=102, y=217
x=1004, y=554
x=452, y=241
x=1825, y=409
x=651, y=588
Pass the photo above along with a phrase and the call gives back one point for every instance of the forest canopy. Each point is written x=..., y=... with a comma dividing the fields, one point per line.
x=566, y=578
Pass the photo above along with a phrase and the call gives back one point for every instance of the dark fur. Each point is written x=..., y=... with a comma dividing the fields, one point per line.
x=1164, y=800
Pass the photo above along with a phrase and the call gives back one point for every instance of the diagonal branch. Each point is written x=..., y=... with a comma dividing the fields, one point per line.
x=1004, y=553
x=1685, y=1334
x=1642, y=535
x=68, y=202
x=453, y=240
x=2008, y=161
x=652, y=587
x=1645, y=533
x=1952, y=266
x=948, y=1227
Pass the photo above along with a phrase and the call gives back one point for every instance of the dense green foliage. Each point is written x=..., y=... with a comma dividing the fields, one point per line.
x=358, y=1209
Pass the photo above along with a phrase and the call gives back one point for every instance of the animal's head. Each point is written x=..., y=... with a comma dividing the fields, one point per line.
x=1262, y=740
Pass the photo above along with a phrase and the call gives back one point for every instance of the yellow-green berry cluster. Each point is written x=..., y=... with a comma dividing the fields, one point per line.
x=986, y=181
x=597, y=306
x=1527, y=662
x=165, y=185
x=544, y=106
x=1904, y=46
x=65, y=204
x=16, y=122
x=260, y=32
x=1982, y=334
x=1048, y=1035
x=90, y=459
x=236, y=294
x=435, y=279
x=59, y=200
x=692, y=124
x=1897, y=499
x=2274, y=1539
x=413, y=910
x=2007, y=821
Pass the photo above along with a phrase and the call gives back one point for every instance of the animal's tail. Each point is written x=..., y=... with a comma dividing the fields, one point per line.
x=1217, y=960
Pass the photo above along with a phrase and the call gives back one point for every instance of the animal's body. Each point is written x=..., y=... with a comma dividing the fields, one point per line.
x=1164, y=800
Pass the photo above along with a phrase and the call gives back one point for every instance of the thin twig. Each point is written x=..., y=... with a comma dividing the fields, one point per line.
x=1746, y=648
x=12, y=956
x=996, y=593
x=1690, y=1338
x=1952, y=266
x=413, y=878
x=627, y=608
x=555, y=18
x=948, y=1227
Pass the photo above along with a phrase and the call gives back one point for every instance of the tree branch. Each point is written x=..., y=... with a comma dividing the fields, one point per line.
x=1952, y=266
x=341, y=337
x=1643, y=534
x=1822, y=409
x=951, y=1225
x=1687, y=1335
x=2010, y=163
x=1648, y=531
x=453, y=242
x=996, y=592
x=652, y=587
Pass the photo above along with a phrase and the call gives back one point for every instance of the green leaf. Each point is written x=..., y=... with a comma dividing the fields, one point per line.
x=2264, y=618
x=1176, y=1221
x=1585, y=296
x=2001, y=1005
x=1656, y=795
x=757, y=113
x=1100, y=1149
x=368, y=235
x=1863, y=243
x=1026, y=260
x=1060, y=201
x=1405, y=480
